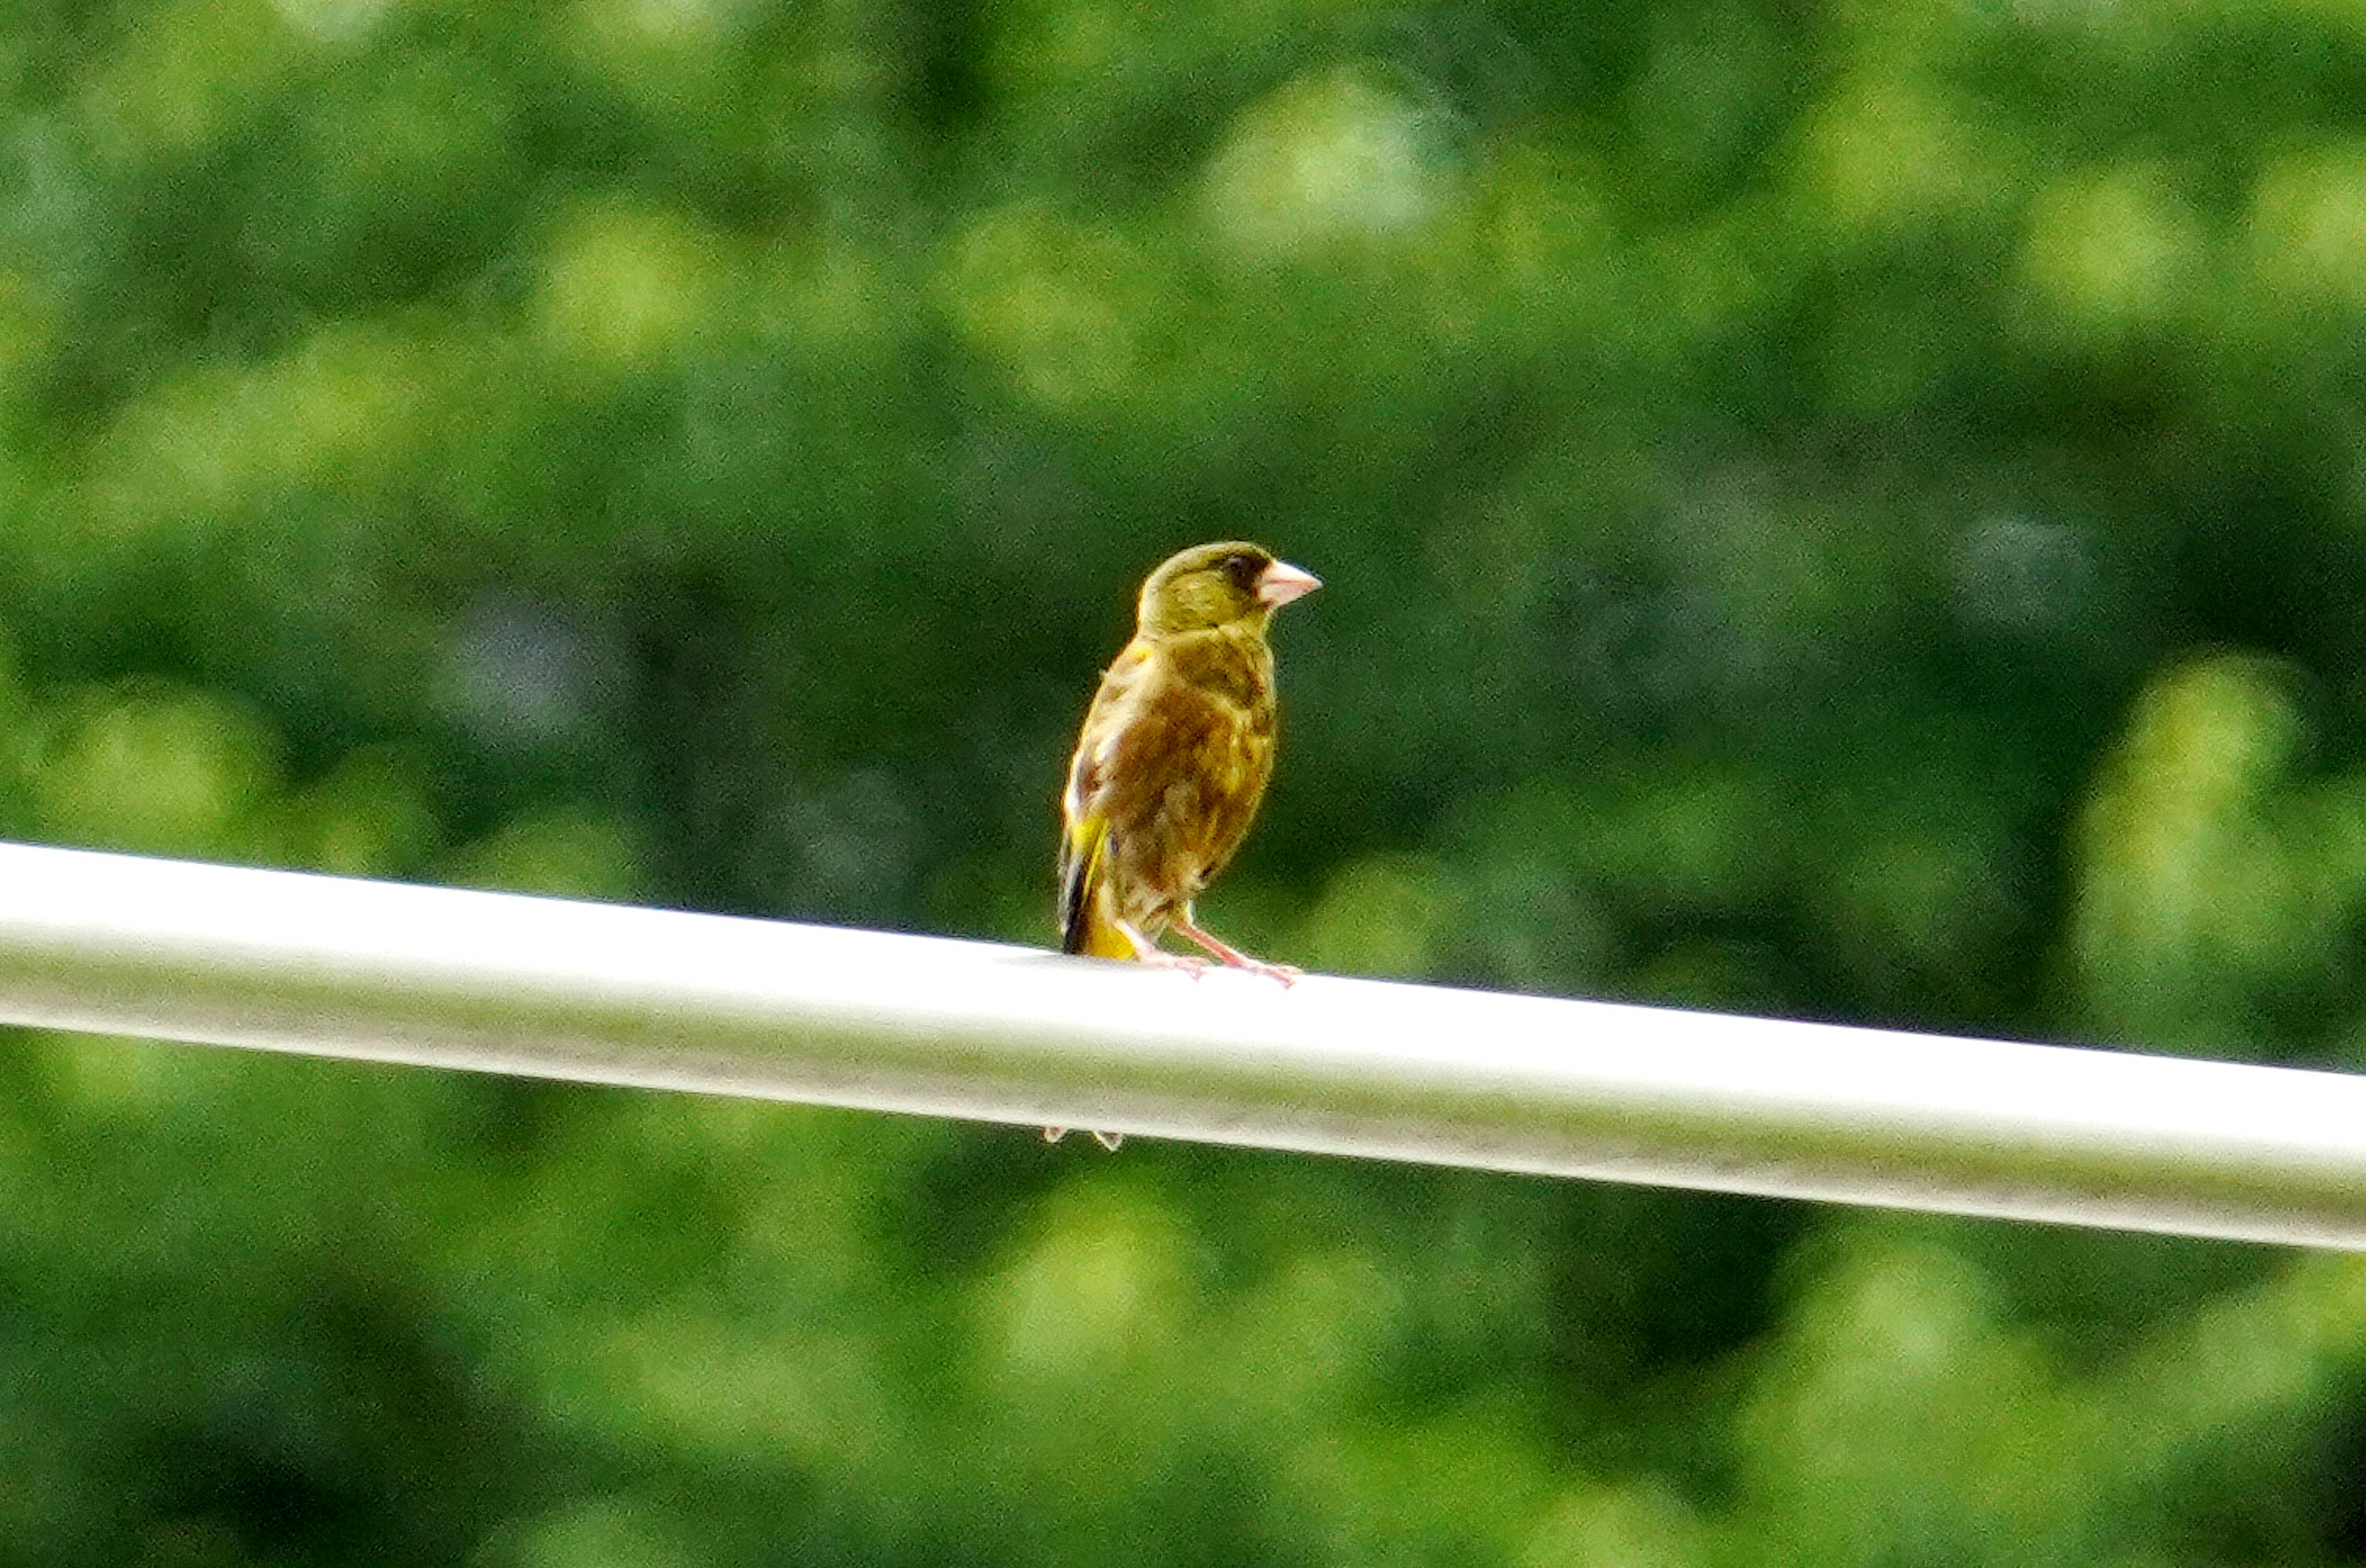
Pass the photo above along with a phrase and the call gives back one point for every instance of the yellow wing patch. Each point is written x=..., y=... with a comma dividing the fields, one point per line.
x=1082, y=929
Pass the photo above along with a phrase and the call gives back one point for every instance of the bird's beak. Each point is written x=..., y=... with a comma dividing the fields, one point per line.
x=1281, y=582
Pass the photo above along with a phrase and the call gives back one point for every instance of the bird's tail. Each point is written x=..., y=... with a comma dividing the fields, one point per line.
x=1084, y=926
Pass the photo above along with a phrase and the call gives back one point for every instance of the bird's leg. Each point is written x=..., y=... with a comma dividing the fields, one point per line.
x=1188, y=925
x=1150, y=953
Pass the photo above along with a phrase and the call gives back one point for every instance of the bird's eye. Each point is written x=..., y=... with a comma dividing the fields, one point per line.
x=1241, y=568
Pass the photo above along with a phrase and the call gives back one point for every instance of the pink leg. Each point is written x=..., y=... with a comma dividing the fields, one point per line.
x=1224, y=951
x=1150, y=953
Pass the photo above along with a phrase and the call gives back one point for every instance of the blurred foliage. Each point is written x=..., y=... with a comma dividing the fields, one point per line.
x=1848, y=509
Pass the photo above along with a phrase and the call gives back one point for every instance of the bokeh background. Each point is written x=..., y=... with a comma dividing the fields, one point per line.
x=1851, y=509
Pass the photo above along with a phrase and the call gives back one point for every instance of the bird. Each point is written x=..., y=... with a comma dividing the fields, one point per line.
x=1173, y=760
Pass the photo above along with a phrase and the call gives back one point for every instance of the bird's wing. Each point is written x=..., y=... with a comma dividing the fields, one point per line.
x=1085, y=823
x=1082, y=859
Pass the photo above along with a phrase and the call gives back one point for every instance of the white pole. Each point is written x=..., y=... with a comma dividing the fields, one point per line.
x=610, y=994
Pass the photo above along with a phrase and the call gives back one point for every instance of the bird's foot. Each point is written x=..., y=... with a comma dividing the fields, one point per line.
x=1232, y=957
x=1288, y=974
x=1158, y=958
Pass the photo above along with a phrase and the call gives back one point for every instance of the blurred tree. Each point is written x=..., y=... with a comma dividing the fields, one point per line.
x=1847, y=510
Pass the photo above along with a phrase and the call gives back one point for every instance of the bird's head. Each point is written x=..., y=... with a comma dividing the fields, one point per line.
x=1215, y=585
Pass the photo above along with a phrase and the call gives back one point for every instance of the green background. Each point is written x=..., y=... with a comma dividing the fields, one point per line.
x=1852, y=511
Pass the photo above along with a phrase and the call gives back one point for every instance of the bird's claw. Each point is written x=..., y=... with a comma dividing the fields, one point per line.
x=1288, y=974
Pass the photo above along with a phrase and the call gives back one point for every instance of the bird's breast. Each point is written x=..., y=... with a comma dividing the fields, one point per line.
x=1232, y=670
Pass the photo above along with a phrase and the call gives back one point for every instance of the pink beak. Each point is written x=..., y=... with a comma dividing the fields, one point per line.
x=1281, y=582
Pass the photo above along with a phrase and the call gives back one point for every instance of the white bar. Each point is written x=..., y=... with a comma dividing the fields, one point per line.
x=610, y=994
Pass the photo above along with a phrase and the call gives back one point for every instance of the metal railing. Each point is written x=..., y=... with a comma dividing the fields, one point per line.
x=610, y=994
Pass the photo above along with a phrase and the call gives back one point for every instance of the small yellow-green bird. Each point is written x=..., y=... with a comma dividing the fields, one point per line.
x=1174, y=758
